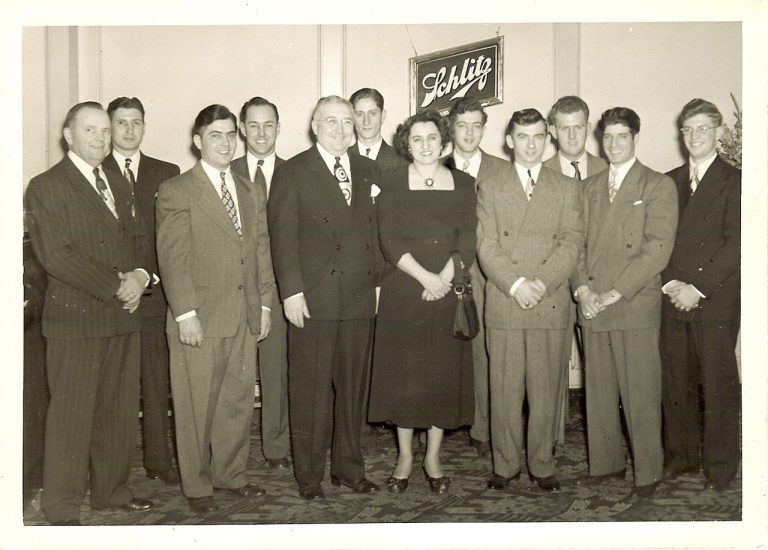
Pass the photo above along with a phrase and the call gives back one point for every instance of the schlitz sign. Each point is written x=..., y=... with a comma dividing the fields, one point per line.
x=474, y=70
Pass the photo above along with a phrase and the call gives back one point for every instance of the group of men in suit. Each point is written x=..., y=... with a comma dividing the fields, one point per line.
x=195, y=254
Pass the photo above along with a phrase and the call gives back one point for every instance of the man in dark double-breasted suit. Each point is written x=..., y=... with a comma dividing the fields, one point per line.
x=630, y=213
x=84, y=230
x=260, y=126
x=144, y=175
x=213, y=249
x=327, y=261
x=700, y=315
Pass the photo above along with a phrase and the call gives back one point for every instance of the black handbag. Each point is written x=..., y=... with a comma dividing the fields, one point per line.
x=466, y=324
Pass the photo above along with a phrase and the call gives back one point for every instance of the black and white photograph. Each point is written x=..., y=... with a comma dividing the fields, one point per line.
x=385, y=276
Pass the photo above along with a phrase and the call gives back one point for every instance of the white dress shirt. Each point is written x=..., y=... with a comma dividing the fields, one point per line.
x=374, y=149
x=135, y=160
x=568, y=169
x=474, y=163
x=267, y=168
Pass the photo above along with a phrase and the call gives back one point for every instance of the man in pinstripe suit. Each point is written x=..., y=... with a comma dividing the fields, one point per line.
x=83, y=227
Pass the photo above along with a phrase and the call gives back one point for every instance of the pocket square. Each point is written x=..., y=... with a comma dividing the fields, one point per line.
x=637, y=202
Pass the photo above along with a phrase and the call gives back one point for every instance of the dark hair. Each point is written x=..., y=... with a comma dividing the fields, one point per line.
x=524, y=117
x=466, y=105
x=72, y=113
x=211, y=114
x=566, y=105
x=403, y=131
x=620, y=115
x=257, y=102
x=700, y=106
x=371, y=93
x=125, y=103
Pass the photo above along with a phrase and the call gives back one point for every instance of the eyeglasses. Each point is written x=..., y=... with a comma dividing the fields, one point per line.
x=698, y=130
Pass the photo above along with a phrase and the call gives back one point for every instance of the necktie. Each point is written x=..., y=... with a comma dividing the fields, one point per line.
x=465, y=166
x=259, y=177
x=695, y=179
x=104, y=192
x=577, y=175
x=612, y=187
x=368, y=152
x=128, y=173
x=344, y=184
x=529, y=186
x=229, y=204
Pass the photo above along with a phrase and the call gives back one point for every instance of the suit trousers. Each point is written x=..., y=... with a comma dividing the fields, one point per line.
x=694, y=353
x=624, y=364
x=524, y=362
x=480, y=429
x=154, y=392
x=571, y=346
x=92, y=419
x=328, y=365
x=273, y=385
x=213, y=396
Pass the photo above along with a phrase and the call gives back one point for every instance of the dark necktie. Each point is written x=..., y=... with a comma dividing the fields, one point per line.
x=343, y=179
x=577, y=175
x=529, y=186
x=368, y=152
x=103, y=190
x=259, y=178
x=229, y=204
x=128, y=173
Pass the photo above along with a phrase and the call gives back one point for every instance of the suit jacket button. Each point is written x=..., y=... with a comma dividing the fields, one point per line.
x=367, y=246
x=369, y=272
x=242, y=262
x=506, y=233
x=629, y=246
x=240, y=287
x=338, y=247
x=590, y=278
x=514, y=262
x=325, y=220
x=333, y=272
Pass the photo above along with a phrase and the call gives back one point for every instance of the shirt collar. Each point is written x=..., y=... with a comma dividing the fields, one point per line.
x=567, y=168
x=330, y=160
x=120, y=159
x=474, y=162
x=374, y=149
x=621, y=171
x=214, y=174
x=522, y=172
x=253, y=161
x=83, y=167
x=702, y=166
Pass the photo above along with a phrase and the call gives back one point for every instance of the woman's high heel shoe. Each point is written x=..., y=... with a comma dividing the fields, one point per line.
x=437, y=484
x=397, y=485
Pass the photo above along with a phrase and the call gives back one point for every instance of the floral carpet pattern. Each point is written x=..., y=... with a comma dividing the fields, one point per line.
x=683, y=499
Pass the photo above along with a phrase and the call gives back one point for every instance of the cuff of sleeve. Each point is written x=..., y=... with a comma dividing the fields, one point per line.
x=516, y=285
x=186, y=315
x=267, y=308
x=668, y=284
x=144, y=271
x=293, y=296
x=698, y=291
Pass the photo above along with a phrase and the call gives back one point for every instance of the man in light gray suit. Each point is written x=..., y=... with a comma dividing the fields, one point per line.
x=214, y=255
x=467, y=120
x=529, y=235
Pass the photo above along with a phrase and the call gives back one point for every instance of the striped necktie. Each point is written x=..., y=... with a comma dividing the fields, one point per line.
x=128, y=173
x=613, y=188
x=105, y=193
x=229, y=204
x=529, y=185
x=695, y=179
x=577, y=174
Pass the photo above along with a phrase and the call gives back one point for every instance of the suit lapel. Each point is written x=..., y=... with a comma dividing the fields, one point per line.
x=709, y=188
x=211, y=203
x=89, y=198
x=512, y=194
x=245, y=203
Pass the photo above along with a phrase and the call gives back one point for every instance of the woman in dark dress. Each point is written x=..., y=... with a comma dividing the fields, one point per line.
x=422, y=375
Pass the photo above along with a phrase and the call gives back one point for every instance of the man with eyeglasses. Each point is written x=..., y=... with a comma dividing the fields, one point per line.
x=325, y=246
x=630, y=212
x=700, y=315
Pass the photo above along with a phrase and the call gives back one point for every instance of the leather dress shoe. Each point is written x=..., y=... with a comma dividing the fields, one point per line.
x=311, y=493
x=646, y=491
x=673, y=472
x=437, y=485
x=718, y=485
x=498, y=483
x=482, y=448
x=169, y=477
x=278, y=463
x=247, y=491
x=548, y=483
x=66, y=522
x=397, y=485
x=133, y=505
x=202, y=504
x=360, y=486
x=594, y=480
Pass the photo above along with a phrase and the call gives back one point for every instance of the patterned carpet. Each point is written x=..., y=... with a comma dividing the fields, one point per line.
x=467, y=501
